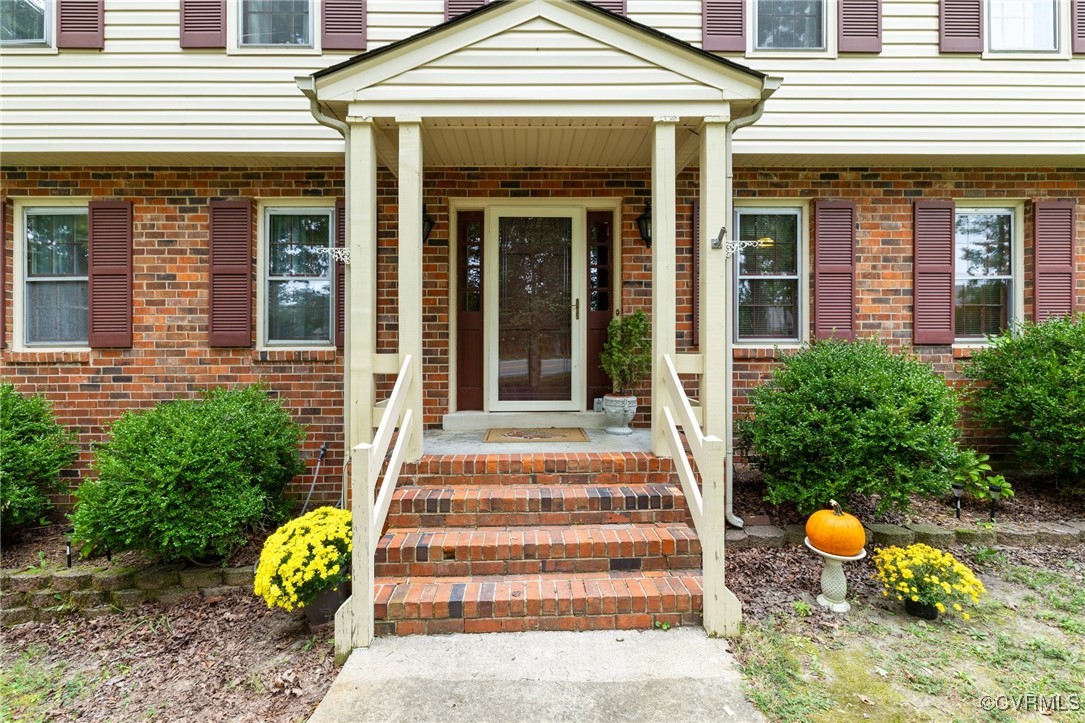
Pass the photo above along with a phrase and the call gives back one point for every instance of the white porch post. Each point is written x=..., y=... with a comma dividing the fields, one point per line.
x=722, y=610
x=360, y=347
x=410, y=268
x=663, y=268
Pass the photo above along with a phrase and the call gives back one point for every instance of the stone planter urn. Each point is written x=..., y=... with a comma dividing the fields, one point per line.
x=619, y=412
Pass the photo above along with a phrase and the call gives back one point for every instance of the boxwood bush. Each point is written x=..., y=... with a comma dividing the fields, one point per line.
x=845, y=419
x=190, y=478
x=34, y=449
x=1031, y=383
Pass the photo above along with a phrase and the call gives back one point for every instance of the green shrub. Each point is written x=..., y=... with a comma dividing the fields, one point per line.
x=627, y=353
x=190, y=478
x=1031, y=383
x=841, y=419
x=33, y=451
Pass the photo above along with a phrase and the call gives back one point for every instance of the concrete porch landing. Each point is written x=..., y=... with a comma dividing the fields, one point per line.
x=440, y=442
x=612, y=675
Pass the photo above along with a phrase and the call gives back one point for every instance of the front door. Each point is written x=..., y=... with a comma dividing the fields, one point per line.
x=535, y=321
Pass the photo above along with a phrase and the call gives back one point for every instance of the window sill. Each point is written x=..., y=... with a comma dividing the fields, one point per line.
x=278, y=356
x=275, y=50
x=28, y=50
x=764, y=351
x=47, y=356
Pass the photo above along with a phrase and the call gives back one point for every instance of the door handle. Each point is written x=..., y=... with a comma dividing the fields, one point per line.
x=577, y=307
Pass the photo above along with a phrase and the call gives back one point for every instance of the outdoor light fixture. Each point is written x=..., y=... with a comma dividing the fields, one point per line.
x=994, y=491
x=958, y=490
x=644, y=225
x=427, y=224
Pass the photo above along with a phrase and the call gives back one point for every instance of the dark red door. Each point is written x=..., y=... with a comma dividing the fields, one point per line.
x=600, y=298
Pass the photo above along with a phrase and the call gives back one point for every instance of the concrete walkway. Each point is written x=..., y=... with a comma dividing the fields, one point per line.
x=677, y=675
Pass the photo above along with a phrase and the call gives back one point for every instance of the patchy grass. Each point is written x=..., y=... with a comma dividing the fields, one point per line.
x=1026, y=638
x=33, y=686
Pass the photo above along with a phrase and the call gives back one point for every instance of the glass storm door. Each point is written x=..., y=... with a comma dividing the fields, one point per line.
x=536, y=333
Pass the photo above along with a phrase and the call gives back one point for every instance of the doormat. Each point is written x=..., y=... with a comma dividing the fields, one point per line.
x=534, y=434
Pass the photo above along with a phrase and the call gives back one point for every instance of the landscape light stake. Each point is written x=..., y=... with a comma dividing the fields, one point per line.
x=995, y=490
x=68, y=545
x=958, y=490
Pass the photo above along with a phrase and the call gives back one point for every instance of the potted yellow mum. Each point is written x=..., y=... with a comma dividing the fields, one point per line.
x=927, y=580
x=305, y=559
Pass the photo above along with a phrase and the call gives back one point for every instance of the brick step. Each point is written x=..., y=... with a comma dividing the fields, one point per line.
x=556, y=601
x=603, y=468
x=530, y=550
x=502, y=505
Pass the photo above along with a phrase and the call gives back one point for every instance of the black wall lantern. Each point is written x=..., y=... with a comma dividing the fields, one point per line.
x=427, y=225
x=644, y=225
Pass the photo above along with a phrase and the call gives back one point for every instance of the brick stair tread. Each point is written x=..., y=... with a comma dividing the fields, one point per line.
x=620, y=599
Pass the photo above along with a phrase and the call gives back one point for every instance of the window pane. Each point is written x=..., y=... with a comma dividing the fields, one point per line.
x=56, y=311
x=275, y=22
x=982, y=308
x=790, y=24
x=294, y=243
x=983, y=244
x=1022, y=24
x=56, y=244
x=768, y=309
x=22, y=21
x=780, y=253
x=299, y=311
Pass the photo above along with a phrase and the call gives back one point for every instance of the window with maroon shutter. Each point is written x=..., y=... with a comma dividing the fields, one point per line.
x=933, y=230
x=109, y=271
x=960, y=26
x=723, y=24
x=230, y=319
x=834, y=270
x=455, y=8
x=344, y=25
x=3, y=271
x=768, y=275
x=1077, y=26
x=615, y=6
x=339, y=288
x=203, y=23
x=81, y=24
x=1053, y=249
x=860, y=26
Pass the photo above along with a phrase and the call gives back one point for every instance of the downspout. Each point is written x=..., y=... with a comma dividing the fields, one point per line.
x=307, y=85
x=768, y=86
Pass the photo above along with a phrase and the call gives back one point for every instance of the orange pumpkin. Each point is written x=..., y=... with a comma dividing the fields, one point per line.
x=836, y=532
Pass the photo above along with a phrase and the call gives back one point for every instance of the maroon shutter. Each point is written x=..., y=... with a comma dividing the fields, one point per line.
x=454, y=8
x=3, y=270
x=470, y=354
x=109, y=272
x=723, y=24
x=230, y=321
x=339, y=288
x=960, y=26
x=203, y=23
x=615, y=6
x=1053, y=249
x=344, y=25
x=860, y=26
x=834, y=270
x=81, y=24
x=1077, y=26
x=933, y=296
x=696, y=235
x=600, y=302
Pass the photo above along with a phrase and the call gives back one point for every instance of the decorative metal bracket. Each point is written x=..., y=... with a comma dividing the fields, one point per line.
x=730, y=248
x=338, y=253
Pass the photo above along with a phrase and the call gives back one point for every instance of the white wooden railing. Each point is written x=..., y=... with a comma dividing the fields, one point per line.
x=354, y=621
x=707, y=504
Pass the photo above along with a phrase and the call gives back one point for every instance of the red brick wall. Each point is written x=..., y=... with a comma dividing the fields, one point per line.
x=170, y=356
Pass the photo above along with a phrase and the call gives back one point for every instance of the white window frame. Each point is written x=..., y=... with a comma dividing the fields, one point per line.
x=1062, y=37
x=1017, y=260
x=265, y=207
x=800, y=207
x=19, y=305
x=234, y=25
x=829, y=23
x=36, y=47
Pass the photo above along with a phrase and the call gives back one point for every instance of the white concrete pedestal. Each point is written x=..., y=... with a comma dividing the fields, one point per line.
x=834, y=586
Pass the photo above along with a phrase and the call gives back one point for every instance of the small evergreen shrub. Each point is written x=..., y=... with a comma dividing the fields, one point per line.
x=1031, y=382
x=33, y=451
x=844, y=419
x=627, y=353
x=190, y=478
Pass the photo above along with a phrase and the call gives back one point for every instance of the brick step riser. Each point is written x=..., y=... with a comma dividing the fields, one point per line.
x=402, y=520
x=564, y=623
x=540, y=478
x=476, y=568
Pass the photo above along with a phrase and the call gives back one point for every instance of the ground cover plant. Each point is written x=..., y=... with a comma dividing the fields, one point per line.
x=841, y=420
x=189, y=479
x=35, y=450
x=1031, y=382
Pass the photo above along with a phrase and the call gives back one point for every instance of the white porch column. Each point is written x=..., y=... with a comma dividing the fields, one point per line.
x=722, y=610
x=664, y=198
x=410, y=268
